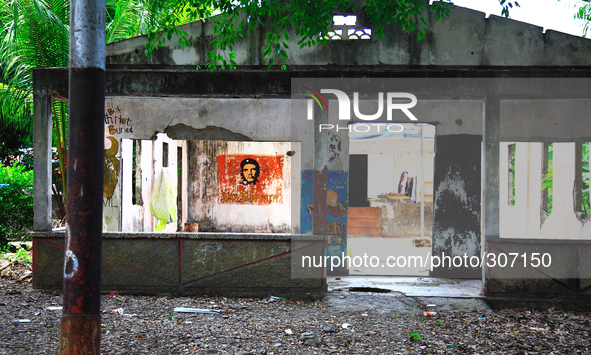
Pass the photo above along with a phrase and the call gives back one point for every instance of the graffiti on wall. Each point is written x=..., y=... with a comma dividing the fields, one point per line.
x=112, y=166
x=334, y=148
x=336, y=209
x=250, y=179
x=115, y=122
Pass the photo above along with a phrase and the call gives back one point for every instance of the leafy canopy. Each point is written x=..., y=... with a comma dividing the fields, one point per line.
x=310, y=21
x=583, y=12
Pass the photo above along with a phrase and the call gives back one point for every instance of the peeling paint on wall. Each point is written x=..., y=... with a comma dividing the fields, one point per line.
x=336, y=208
x=456, y=201
x=112, y=167
x=223, y=198
x=250, y=179
x=116, y=125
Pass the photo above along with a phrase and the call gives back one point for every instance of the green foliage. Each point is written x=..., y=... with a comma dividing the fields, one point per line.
x=512, y=173
x=21, y=255
x=586, y=202
x=4, y=248
x=310, y=21
x=16, y=199
x=547, y=180
x=583, y=12
x=415, y=336
x=507, y=6
x=35, y=33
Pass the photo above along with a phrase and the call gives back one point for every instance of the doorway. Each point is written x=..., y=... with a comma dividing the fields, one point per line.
x=391, y=199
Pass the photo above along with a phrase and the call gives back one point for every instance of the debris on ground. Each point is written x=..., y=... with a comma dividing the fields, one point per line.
x=291, y=326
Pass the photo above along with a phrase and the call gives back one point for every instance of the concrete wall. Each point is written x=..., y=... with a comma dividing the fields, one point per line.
x=466, y=37
x=246, y=265
x=219, y=202
x=402, y=218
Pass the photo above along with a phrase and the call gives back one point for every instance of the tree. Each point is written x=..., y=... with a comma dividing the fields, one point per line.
x=311, y=21
x=583, y=12
x=35, y=33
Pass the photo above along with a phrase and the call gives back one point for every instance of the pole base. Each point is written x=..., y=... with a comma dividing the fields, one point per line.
x=80, y=335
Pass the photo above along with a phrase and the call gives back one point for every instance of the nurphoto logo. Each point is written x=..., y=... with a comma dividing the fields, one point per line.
x=394, y=101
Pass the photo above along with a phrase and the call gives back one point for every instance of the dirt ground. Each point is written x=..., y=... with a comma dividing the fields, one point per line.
x=343, y=322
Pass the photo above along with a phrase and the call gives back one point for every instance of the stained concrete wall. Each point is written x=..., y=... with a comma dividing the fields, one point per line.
x=200, y=118
x=456, y=201
x=466, y=37
x=219, y=202
x=246, y=265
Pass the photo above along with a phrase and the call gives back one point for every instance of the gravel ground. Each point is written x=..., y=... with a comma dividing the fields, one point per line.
x=344, y=322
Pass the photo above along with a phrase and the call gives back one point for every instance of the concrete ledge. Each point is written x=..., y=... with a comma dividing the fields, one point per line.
x=579, y=304
x=60, y=233
x=224, y=264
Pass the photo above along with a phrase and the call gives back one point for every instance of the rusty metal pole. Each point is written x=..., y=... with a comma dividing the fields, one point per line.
x=81, y=320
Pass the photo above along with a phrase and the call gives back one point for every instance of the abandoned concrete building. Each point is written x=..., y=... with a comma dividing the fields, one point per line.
x=270, y=172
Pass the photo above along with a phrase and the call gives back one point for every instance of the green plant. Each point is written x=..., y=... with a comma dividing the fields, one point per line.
x=35, y=33
x=21, y=255
x=16, y=199
x=415, y=336
x=547, y=180
x=4, y=248
x=585, y=202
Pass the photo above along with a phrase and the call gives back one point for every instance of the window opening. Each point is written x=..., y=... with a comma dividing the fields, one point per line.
x=345, y=27
x=547, y=177
x=582, y=181
x=585, y=177
x=164, y=155
x=511, y=171
x=136, y=173
x=344, y=20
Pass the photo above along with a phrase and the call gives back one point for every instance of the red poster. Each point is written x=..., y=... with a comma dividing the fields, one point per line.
x=248, y=179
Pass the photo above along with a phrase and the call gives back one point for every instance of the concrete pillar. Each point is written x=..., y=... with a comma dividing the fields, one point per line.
x=490, y=175
x=42, y=163
x=320, y=172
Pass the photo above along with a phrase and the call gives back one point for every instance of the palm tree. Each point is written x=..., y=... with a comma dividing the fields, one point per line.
x=35, y=33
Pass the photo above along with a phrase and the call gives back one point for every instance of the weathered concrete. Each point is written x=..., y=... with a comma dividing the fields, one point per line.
x=481, y=47
x=42, y=131
x=403, y=217
x=191, y=263
x=465, y=38
x=218, y=207
x=456, y=201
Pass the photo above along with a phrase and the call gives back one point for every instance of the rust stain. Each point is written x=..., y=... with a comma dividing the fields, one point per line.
x=80, y=335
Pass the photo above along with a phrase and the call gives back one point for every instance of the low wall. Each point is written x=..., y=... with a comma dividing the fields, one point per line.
x=564, y=269
x=228, y=264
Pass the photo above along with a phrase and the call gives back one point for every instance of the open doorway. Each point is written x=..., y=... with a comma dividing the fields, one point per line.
x=391, y=199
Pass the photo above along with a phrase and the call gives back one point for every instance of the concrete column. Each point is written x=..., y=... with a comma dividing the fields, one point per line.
x=42, y=163
x=490, y=163
x=320, y=172
x=490, y=174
